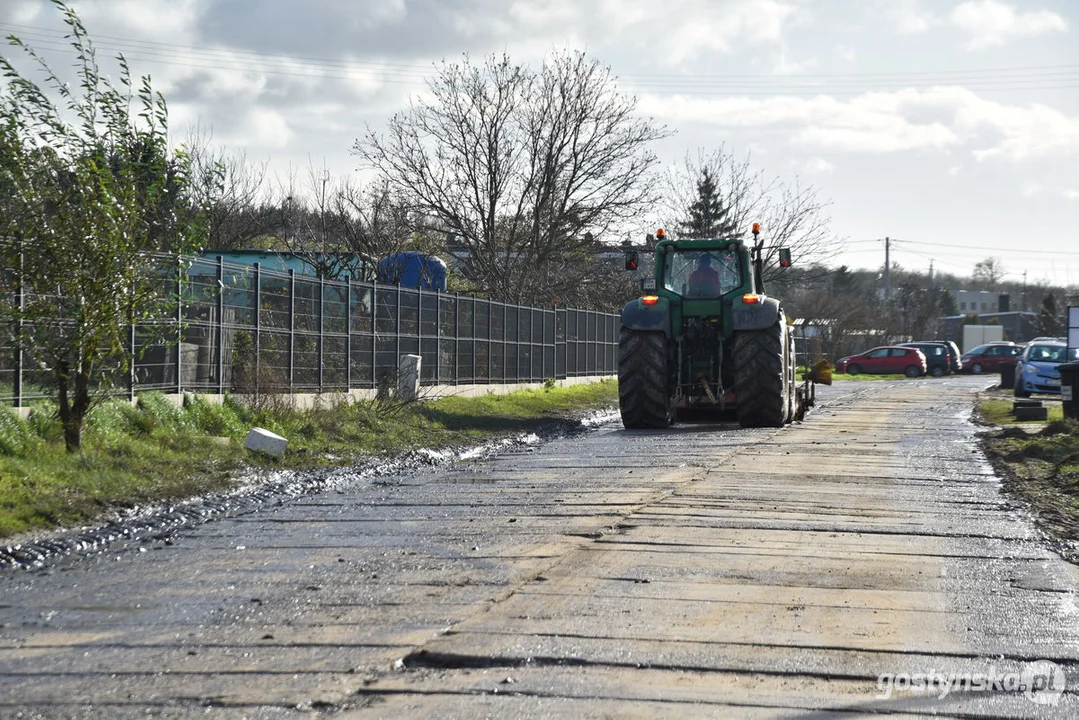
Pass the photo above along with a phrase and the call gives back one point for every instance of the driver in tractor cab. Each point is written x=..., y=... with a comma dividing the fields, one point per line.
x=704, y=281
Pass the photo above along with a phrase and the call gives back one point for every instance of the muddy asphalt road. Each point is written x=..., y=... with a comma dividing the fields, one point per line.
x=704, y=571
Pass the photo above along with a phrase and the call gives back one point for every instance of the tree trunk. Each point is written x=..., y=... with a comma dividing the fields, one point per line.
x=72, y=410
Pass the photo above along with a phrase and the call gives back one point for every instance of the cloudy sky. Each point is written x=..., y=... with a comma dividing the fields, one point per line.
x=951, y=126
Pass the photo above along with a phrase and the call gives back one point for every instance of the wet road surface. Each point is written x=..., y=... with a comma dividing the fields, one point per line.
x=703, y=571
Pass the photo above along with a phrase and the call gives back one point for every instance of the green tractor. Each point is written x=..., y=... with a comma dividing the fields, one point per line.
x=705, y=336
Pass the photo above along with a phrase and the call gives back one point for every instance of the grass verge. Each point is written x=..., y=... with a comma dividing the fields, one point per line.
x=158, y=452
x=1039, y=465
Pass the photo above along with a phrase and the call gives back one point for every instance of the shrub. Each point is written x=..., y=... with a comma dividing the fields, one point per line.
x=113, y=420
x=213, y=419
x=16, y=436
x=158, y=413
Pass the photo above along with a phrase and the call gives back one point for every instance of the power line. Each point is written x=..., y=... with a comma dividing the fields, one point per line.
x=1046, y=77
x=992, y=249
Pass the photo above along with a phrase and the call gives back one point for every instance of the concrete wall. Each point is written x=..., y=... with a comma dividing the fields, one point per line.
x=306, y=401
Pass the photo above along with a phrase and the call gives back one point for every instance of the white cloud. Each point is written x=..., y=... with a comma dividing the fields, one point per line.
x=1033, y=189
x=267, y=129
x=845, y=53
x=934, y=119
x=681, y=30
x=22, y=12
x=818, y=166
x=954, y=170
x=908, y=17
x=169, y=21
x=992, y=22
x=1070, y=193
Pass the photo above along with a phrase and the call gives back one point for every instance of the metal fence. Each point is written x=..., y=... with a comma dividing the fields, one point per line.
x=242, y=329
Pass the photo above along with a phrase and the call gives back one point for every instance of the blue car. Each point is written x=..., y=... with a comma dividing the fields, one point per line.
x=1036, y=370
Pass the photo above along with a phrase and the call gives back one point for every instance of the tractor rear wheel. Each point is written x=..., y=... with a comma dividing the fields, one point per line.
x=644, y=394
x=760, y=384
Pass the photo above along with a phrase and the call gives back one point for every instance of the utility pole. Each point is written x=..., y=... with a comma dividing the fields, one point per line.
x=1024, y=291
x=887, y=269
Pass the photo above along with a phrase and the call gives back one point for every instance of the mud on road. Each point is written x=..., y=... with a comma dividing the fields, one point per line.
x=702, y=571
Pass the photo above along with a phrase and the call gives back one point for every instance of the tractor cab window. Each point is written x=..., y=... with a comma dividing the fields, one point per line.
x=702, y=274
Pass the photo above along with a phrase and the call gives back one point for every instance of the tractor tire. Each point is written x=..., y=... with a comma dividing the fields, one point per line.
x=644, y=394
x=760, y=384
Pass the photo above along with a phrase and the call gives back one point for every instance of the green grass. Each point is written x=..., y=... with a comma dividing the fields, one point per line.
x=157, y=452
x=861, y=377
x=1043, y=469
x=998, y=411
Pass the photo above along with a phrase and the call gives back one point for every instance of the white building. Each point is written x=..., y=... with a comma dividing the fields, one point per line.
x=977, y=301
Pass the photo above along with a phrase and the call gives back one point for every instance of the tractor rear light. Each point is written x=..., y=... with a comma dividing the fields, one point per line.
x=649, y=300
x=751, y=298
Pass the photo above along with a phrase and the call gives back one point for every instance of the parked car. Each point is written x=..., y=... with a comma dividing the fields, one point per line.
x=885, y=360
x=954, y=356
x=1037, y=370
x=987, y=358
x=937, y=356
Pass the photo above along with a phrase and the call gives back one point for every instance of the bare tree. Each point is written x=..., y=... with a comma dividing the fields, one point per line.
x=230, y=191
x=341, y=228
x=988, y=273
x=376, y=221
x=791, y=215
x=526, y=169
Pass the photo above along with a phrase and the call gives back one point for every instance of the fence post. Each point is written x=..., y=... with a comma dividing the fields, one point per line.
x=374, y=334
x=348, y=332
x=16, y=387
x=397, y=326
x=220, y=325
x=474, y=378
x=131, y=355
x=258, y=326
x=321, y=319
x=291, y=328
x=457, y=338
x=543, y=346
x=180, y=325
x=490, y=342
x=438, y=335
x=531, y=344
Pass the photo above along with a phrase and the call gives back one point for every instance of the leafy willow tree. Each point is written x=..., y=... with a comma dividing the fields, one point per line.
x=525, y=168
x=89, y=193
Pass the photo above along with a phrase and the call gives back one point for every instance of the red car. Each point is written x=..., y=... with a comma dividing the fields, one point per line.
x=988, y=358
x=885, y=360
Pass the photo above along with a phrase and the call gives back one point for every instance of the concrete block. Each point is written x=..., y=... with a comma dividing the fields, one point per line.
x=408, y=377
x=264, y=441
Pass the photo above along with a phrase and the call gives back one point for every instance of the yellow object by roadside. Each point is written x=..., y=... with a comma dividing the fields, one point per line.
x=822, y=372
